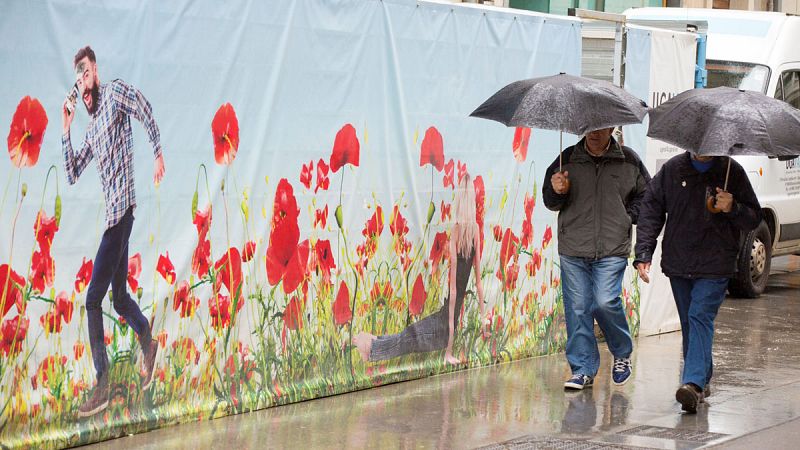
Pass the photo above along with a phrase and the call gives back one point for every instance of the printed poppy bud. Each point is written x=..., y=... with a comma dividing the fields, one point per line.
x=58, y=210
x=139, y=293
x=194, y=205
x=222, y=186
x=431, y=212
x=24, y=189
x=339, y=216
x=83, y=312
x=245, y=210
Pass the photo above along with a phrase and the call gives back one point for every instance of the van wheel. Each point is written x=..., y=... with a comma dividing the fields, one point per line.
x=755, y=260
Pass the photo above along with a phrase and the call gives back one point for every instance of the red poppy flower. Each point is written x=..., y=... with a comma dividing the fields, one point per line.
x=374, y=226
x=229, y=272
x=219, y=308
x=346, y=148
x=322, y=176
x=432, y=151
x=11, y=285
x=418, y=297
x=534, y=264
x=248, y=251
x=285, y=204
x=398, y=225
x=447, y=180
x=497, y=231
x=12, y=334
x=134, y=270
x=108, y=338
x=78, y=348
x=162, y=338
x=165, y=268
x=184, y=300
x=202, y=220
x=321, y=217
x=510, y=279
x=381, y=292
x=445, y=207
x=307, y=174
x=50, y=366
x=293, y=314
x=508, y=248
x=548, y=236
x=526, y=236
x=438, y=249
x=42, y=271
x=64, y=306
x=84, y=275
x=324, y=258
x=530, y=202
x=462, y=170
x=201, y=258
x=45, y=229
x=51, y=322
x=225, y=130
x=26, y=133
x=520, y=145
x=342, y=313
x=283, y=239
x=186, y=349
x=480, y=200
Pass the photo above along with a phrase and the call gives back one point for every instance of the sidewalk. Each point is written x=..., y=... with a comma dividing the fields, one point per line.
x=755, y=399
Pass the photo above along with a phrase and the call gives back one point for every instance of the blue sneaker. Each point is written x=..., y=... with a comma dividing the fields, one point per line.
x=578, y=381
x=621, y=371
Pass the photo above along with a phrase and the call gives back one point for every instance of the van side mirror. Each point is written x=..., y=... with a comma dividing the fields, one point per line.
x=787, y=158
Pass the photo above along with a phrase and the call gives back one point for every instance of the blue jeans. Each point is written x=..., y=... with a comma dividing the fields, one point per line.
x=111, y=267
x=698, y=302
x=591, y=289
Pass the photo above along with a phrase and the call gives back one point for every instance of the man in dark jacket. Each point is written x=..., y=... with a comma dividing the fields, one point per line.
x=597, y=197
x=700, y=250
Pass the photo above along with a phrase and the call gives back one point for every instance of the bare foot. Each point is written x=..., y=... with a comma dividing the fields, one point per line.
x=450, y=359
x=363, y=342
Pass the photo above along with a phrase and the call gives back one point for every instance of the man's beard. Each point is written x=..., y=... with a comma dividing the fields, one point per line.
x=95, y=93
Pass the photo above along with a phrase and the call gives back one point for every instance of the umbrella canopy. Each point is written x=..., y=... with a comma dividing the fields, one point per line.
x=562, y=102
x=725, y=121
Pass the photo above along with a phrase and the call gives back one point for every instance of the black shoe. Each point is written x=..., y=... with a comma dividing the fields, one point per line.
x=689, y=396
x=98, y=399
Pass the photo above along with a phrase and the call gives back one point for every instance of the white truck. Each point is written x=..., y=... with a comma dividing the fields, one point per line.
x=758, y=51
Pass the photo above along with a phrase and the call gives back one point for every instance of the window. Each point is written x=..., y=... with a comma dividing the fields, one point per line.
x=791, y=87
x=751, y=77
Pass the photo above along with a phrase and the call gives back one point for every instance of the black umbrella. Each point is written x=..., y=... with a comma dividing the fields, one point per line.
x=725, y=121
x=562, y=102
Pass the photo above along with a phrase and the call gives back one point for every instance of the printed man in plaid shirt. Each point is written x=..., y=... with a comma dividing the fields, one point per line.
x=109, y=142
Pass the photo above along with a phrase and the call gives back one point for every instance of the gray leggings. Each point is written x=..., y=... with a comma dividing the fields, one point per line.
x=427, y=335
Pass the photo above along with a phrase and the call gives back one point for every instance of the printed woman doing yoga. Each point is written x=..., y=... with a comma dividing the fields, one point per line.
x=435, y=332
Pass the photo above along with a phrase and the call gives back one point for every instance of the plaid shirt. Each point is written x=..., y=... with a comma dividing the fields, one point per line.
x=108, y=139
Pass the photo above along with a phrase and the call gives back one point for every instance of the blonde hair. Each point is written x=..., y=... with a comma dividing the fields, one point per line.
x=466, y=227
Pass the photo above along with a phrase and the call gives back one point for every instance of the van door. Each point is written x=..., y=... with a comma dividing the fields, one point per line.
x=784, y=176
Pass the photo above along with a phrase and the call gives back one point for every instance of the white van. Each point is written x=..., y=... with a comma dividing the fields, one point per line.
x=758, y=51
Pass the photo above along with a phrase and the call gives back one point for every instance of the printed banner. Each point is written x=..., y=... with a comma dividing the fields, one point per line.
x=270, y=191
x=659, y=65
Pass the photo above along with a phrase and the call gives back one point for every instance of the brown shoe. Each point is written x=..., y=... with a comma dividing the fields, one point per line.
x=148, y=364
x=706, y=393
x=689, y=396
x=98, y=399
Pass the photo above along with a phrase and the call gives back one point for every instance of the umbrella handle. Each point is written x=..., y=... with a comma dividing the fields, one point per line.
x=560, y=165
x=711, y=205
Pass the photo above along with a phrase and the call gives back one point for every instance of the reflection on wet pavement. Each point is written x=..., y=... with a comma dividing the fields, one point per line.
x=756, y=385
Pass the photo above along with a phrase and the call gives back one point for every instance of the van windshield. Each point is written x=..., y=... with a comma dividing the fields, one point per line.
x=750, y=77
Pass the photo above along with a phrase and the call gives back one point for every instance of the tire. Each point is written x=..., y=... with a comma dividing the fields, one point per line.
x=755, y=261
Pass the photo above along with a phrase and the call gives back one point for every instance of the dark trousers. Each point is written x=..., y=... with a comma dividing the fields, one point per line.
x=426, y=335
x=111, y=267
x=698, y=301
